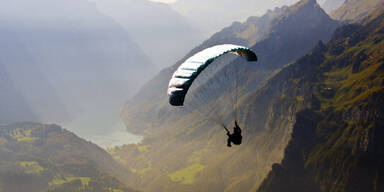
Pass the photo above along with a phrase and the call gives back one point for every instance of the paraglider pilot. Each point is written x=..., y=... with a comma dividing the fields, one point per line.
x=235, y=137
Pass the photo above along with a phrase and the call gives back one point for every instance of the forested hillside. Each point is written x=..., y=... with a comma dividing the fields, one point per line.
x=38, y=157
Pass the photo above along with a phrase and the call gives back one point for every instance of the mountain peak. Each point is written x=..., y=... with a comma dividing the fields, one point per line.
x=355, y=10
x=303, y=3
x=307, y=7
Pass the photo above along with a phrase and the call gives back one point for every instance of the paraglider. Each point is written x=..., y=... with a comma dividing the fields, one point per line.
x=183, y=78
x=188, y=71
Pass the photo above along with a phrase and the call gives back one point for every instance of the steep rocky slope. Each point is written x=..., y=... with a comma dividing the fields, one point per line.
x=38, y=157
x=337, y=142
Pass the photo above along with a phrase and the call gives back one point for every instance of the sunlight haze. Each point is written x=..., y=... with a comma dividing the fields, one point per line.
x=165, y=1
x=191, y=95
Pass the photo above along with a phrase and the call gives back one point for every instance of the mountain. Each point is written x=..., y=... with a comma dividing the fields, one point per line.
x=222, y=13
x=182, y=151
x=75, y=52
x=161, y=32
x=39, y=157
x=290, y=35
x=336, y=143
x=354, y=10
x=331, y=5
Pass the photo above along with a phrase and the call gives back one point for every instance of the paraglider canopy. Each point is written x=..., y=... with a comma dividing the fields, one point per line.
x=188, y=71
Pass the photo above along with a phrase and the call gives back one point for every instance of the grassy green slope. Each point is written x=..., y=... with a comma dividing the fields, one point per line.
x=337, y=142
x=37, y=157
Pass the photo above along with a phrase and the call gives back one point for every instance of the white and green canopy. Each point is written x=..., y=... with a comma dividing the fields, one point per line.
x=188, y=71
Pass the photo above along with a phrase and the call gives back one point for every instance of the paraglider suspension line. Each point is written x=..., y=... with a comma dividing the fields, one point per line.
x=236, y=94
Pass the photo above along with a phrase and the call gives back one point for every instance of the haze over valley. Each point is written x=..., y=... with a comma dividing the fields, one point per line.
x=76, y=63
x=84, y=103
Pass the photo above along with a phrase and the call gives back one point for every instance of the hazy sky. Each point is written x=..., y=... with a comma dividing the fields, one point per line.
x=172, y=1
x=165, y=1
